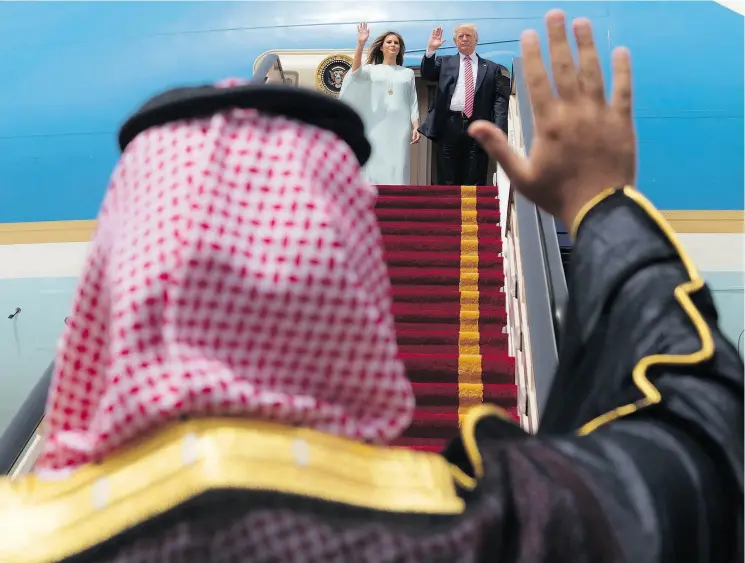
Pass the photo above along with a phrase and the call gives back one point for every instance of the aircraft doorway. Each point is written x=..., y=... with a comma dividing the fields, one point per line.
x=303, y=68
x=423, y=155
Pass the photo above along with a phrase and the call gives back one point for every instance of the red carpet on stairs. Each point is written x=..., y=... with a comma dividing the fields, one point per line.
x=443, y=248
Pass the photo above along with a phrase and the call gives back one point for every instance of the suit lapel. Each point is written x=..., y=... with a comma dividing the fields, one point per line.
x=455, y=65
x=453, y=69
x=481, y=72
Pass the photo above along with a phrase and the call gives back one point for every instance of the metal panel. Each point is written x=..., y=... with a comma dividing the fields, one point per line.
x=543, y=273
x=24, y=424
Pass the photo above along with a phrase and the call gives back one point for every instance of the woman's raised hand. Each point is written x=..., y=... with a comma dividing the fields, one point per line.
x=363, y=33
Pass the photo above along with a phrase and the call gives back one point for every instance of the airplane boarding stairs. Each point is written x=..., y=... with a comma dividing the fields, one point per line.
x=478, y=285
x=443, y=249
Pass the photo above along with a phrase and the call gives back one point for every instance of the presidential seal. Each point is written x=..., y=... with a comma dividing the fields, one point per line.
x=331, y=72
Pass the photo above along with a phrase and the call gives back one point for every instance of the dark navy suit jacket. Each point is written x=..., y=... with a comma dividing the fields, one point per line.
x=491, y=99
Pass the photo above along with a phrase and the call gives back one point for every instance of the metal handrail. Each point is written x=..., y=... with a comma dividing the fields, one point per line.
x=543, y=273
x=270, y=62
x=24, y=424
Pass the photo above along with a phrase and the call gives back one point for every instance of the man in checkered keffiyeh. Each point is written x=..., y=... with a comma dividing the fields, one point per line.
x=237, y=269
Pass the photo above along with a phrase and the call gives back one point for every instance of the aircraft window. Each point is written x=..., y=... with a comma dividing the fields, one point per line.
x=291, y=77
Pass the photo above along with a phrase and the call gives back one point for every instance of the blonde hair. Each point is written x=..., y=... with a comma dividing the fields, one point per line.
x=470, y=26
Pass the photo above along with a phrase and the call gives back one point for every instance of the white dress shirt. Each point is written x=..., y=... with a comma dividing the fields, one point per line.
x=458, y=101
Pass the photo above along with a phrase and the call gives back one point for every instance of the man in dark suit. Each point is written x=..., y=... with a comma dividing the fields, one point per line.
x=468, y=88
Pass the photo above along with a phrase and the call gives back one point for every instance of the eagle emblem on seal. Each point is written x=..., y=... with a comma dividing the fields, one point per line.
x=331, y=72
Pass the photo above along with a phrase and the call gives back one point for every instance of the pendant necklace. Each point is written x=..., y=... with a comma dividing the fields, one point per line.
x=390, y=87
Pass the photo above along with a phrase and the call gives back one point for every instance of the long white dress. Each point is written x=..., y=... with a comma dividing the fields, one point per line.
x=385, y=97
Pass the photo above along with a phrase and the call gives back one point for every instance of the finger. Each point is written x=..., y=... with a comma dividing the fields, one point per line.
x=494, y=142
x=622, y=88
x=562, y=63
x=590, y=74
x=536, y=77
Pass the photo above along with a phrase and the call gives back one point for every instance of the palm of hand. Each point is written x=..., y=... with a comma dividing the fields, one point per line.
x=363, y=33
x=578, y=149
x=435, y=40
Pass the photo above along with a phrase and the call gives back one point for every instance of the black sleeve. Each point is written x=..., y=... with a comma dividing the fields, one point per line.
x=430, y=67
x=657, y=393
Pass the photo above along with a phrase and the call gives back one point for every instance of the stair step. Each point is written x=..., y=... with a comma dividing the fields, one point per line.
x=440, y=294
x=451, y=216
x=429, y=228
x=434, y=191
x=441, y=276
x=397, y=242
x=449, y=313
x=433, y=394
x=443, y=368
x=433, y=445
x=423, y=201
x=445, y=258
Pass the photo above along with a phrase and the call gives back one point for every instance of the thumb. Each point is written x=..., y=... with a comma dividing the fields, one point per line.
x=494, y=142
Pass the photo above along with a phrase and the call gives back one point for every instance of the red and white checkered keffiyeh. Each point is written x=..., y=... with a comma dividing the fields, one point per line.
x=237, y=269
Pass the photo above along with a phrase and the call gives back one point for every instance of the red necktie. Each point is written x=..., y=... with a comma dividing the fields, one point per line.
x=468, y=108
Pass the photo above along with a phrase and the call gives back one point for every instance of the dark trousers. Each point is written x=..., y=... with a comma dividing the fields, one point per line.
x=460, y=160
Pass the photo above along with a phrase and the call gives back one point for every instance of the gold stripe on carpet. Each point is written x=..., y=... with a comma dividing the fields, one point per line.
x=470, y=385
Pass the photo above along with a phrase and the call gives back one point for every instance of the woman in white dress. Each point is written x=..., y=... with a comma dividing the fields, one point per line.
x=384, y=94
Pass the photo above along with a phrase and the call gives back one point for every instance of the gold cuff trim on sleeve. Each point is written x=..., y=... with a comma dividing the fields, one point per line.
x=587, y=207
x=468, y=433
x=651, y=395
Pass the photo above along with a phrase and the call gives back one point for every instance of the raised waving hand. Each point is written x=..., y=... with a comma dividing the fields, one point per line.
x=435, y=40
x=363, y=33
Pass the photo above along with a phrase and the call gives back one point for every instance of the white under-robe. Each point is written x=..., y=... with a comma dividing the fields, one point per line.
x=385, y=97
